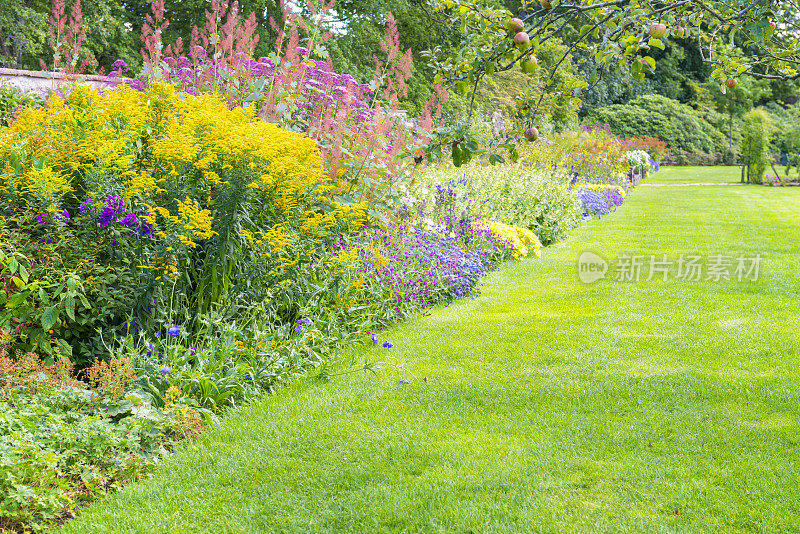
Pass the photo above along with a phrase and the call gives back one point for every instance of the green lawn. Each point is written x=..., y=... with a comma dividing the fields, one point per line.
x=701, y=175
x=545, y=405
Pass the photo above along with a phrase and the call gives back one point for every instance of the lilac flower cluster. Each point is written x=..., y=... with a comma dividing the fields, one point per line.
x=114, y=212
x=593, y=203
x=322, y=90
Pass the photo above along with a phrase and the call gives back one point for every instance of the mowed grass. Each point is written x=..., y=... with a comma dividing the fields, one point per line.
x=545, y=405
x=696, y=175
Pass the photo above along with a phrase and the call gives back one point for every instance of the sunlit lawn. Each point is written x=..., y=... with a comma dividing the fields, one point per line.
x=703, y=175
x=544, y=405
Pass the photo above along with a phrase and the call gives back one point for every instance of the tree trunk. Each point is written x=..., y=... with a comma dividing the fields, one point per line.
x=730, y=134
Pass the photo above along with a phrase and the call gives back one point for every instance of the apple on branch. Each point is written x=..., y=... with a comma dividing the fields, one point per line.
x=522, y=41
x=658, y=30
x=514, y=26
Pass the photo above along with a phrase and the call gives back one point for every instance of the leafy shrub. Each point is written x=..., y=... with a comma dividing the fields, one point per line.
x=676, y=124
x=511, y=194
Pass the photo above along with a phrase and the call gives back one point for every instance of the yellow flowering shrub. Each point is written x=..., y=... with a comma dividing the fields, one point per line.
x=522, y=240
x=217, y=187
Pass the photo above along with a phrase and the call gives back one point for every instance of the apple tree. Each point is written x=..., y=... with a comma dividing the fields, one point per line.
x=616, y=35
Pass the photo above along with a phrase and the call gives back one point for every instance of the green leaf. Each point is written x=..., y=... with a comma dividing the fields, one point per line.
x=49, y=317
x=18, y=299
x=69, y=307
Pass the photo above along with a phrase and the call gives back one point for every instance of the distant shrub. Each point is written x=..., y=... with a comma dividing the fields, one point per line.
x=676, y=124
x=591, y=154
x=652, y=145
x=755, y=144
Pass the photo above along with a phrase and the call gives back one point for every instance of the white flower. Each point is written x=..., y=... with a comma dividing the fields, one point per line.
x=423, y=191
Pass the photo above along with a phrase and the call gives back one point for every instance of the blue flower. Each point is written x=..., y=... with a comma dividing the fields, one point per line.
x=175, y=331
x=193, y=351
x=150, y=346
x=248, y=377
x=158, y=333
x=165, y=370
x=375, y=339
x=304, y=321
x=387, y=345
x=299, y=329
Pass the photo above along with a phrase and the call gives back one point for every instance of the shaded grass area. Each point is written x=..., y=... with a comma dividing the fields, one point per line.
x=683, y=175
x=544, y=405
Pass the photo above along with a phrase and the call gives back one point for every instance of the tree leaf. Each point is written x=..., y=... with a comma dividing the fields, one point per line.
x=49, y=317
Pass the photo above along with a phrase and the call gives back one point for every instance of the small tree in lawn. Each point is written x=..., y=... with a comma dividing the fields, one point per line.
x=755, y=145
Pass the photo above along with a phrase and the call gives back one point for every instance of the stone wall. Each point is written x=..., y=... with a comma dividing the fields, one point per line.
x=42, y=82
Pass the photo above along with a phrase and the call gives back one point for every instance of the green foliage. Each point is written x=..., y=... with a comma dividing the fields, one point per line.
x=59, y=302
x=62, y=443
x=755, y=144
x=12, y=99
x=108, y=26
x=678, y=125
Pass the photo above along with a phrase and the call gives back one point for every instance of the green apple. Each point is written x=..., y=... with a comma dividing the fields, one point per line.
x=529, y=65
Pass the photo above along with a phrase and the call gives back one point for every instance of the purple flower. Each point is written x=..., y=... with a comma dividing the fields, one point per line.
x=387, y=345
x=41, y=219
x=165, y=370
x=130, y=220
x=193, y=351
x=175, y=331
x=107, y=216
x=299, y=329
x=158, y=333
x=375, y=339
x=119, y=66
x=248, y=377
x=87, y=207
